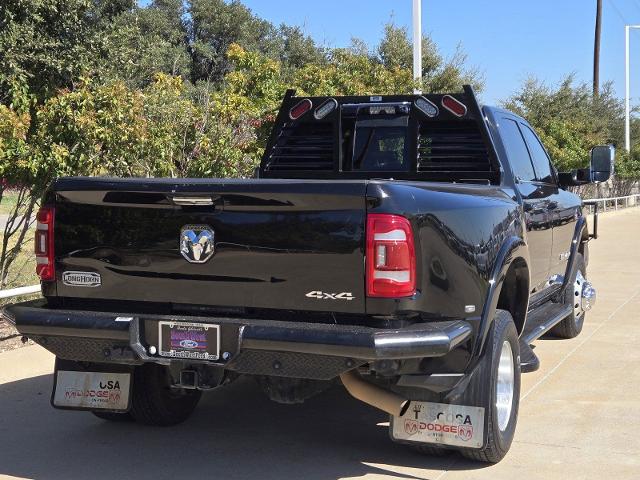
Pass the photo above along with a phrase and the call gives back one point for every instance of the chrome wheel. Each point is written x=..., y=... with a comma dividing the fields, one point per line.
x=578, y=285
x=504, y=386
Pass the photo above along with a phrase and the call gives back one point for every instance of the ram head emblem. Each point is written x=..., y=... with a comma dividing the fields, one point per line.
x=196, y=243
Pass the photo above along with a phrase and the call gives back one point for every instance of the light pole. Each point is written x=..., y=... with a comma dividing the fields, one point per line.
x=627, y=106
x=596, y=50
x=417, y=41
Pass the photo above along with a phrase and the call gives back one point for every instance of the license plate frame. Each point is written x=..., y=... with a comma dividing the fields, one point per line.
x=189, y=340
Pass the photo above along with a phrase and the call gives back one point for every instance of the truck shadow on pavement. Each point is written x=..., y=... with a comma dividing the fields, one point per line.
x=236, y=433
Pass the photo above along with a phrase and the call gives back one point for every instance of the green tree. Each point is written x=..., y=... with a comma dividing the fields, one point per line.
x=194, y=132
x=45, y=45
x=438, y=75
x=15, y=171
x=91, y=130
x=172, y=88
x=298, y=49
x=141, y=42
x=214, y=25
x=570, y=121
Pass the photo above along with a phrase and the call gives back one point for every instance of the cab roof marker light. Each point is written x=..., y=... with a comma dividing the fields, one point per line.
x=325, y=109
x=427, y=107
x=300, y=108
x=382, y=109
x=455, y=106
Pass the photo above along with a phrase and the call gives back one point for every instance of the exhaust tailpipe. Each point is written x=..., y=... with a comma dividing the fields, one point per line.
x=375, y=396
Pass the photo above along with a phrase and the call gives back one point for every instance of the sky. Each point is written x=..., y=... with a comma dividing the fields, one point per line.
x=507, y=40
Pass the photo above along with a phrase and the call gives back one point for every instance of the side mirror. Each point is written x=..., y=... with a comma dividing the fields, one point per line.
x=602, y=161
x=600, y=169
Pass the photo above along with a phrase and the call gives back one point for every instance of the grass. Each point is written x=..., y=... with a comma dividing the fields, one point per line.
x=21, y=273
x=23, y=270
x=8, y=203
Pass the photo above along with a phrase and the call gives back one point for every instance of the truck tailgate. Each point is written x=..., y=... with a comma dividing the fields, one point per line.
x=281, y=244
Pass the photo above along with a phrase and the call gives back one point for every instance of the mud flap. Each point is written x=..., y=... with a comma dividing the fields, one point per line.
x=440, y=424
x=91, y=386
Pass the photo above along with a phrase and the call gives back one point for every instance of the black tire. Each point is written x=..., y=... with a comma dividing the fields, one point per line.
x=113, y=416
x=154, y=402
x=571, y=326
x=433, y=451
x=482, y=390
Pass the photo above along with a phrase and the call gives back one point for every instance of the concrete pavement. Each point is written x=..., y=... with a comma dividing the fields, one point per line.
x=579, y=414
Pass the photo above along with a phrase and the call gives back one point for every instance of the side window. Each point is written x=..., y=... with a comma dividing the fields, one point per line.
x=516, y=150
x=538, y=155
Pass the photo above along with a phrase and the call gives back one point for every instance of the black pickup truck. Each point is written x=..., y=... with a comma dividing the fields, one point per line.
x=411, y=246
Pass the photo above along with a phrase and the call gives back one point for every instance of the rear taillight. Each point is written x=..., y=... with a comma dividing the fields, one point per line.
x=44, y=244
x=391, y=256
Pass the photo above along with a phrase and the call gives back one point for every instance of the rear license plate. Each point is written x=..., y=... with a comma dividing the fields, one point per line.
x=441, y=424
x=92, y=390
x=195, y=341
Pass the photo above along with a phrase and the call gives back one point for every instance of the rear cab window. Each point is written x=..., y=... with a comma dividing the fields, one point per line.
x=382, y=143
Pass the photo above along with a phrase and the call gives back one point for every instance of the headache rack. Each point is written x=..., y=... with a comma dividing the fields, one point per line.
x=437, y=137
x=303, y=147
x=452, y=147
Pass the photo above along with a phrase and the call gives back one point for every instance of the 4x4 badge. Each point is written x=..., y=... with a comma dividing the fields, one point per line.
x=330, y=296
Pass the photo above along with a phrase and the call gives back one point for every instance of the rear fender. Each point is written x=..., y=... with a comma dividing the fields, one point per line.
x=512, y=249
x=580, y=235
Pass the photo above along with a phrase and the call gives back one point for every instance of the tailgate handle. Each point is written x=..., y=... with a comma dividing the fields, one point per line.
x=193, y=200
